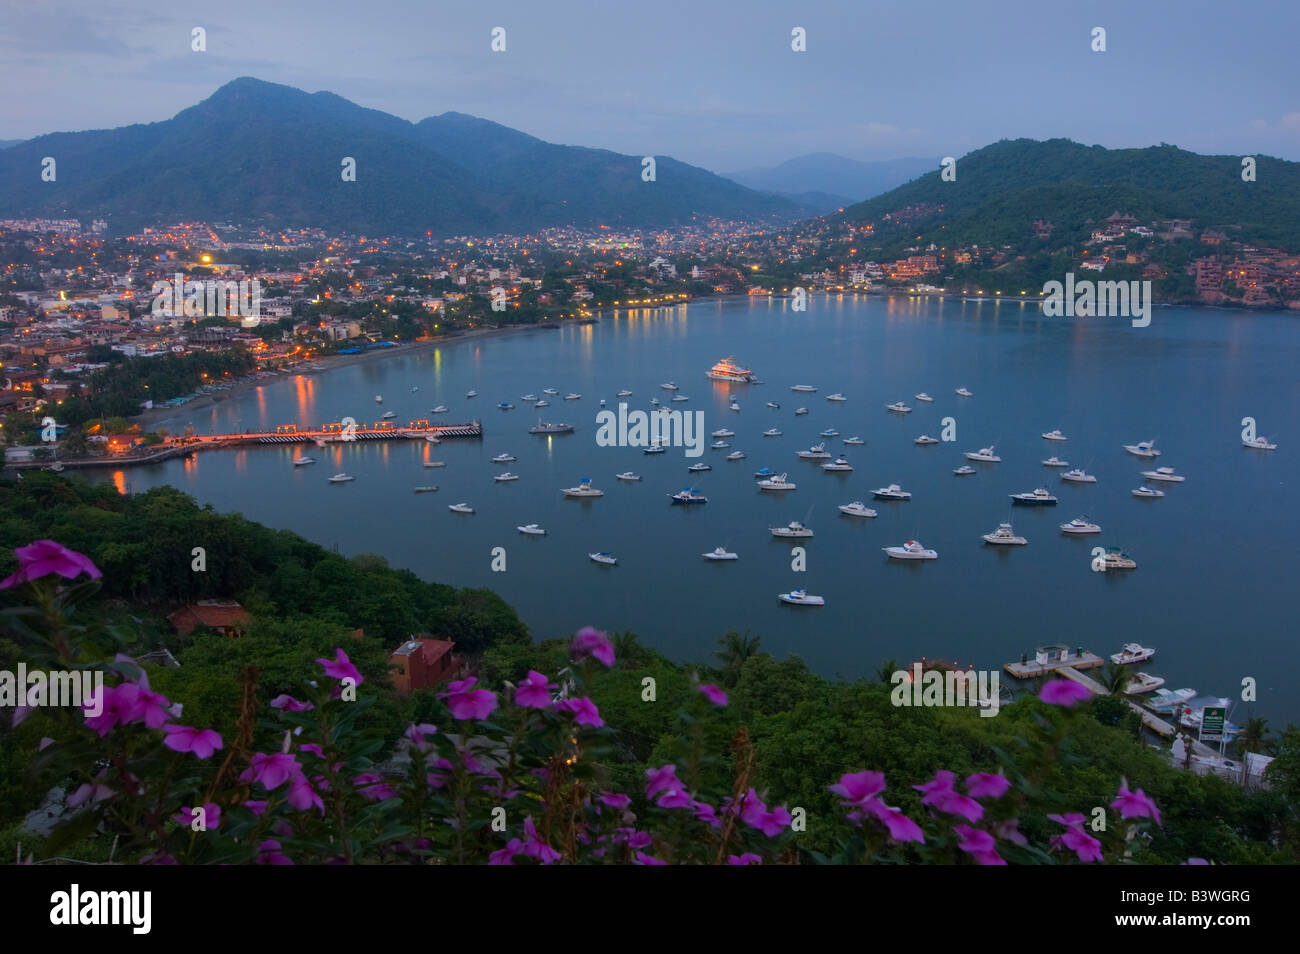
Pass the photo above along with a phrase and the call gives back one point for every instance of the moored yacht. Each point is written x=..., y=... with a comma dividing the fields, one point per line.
x=688, y=495
x=1054, y=436
x=461, y=508
x=430, y=438
x=548, y=404
x=839, y=464
x=723, y=432
x=379, y=399
x=892, y=492
x=341, y=478
x=301, y=460
x=734, y=406
x=1117, y=559
x=965, y=470
x=435, y=463
x=546, y=427
x=584, y=489
x=720, y=553
x=697, y=468
x=776, y=483
x=624, y=393
x=628, y=475
x=505, y=478
x=898, y=406
x=773, y=405
x=911, y=550
x=801, y=598
x=676, y=397
x=607, y=559
x=1165, y=474
x=985, y=454
x=1132, y=653
x=800, y=410
x=655, y=448
x=1005, y=535
x=529, y=397
x=803, y=388
x=1145, y=491
x=388, y=415
x=925, y=440
x=1080, y=525
x=719, y=445
x=816, y=452
x=963, y=392
x=669, y=386
x=854, y=441
x=1142, y=449
x=793, y=529
x=764, y=472
x=736, y=455
x=857, y=509
x=504, y=459
x=772, y=432
x=572, y=397
x=924, y=397
x=440, y=409
x=429, y=489
x=506, y=406
x=470, y=394
x=533, y=529
x=1258, y=443
x=1079, y=476
x=550, y=391
x=830, y=432
x=1167, y=700
x=1055, y=461
x=728, y=370
x=837, y=396
x=1141, y=682
x=1038, y=497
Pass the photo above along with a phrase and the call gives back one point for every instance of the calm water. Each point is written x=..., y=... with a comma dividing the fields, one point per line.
x=1214, y=590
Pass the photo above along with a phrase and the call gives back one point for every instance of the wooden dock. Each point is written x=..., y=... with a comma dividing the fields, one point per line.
x=1034, y=668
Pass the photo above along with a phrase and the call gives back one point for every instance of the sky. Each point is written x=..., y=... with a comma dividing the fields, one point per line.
x=711, y=83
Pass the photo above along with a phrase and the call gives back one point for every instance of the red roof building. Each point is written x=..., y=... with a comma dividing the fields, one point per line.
x=226, y=617
x=421, y=662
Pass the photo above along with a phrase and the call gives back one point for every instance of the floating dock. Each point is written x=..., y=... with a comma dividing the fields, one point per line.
x=1056, y=658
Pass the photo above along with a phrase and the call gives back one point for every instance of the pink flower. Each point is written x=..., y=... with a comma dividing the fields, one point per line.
x=183, y=738
x=302, y=796
x=341, y=668
x=584, y=711
x=643, y=859
x=506, y=855
x=373, y=787
x=755, y=814
x=979, y=844
x=1135, y=804
x=1063, y=692
x=211, y=816
x=1010, y=831
x=534, y=847
x=986, y=785
x=615, y=800
x=313, y=748
x=704, y=812
x=855, y=788
x=94, y=793
x=748, y=858
x=115, y=707
x=468, y=703
x=257, y=808
x=1194, y=861
x=40, y=559
x=534, y=692
x=271, y=771
x=714, y=694
x=592, y=642
x=661, y=778
x=900, y=827
x=270, y=854
x=940, y=794
x=675, y=797
x=1075, y=838
x=417, y=734
x=290, y=704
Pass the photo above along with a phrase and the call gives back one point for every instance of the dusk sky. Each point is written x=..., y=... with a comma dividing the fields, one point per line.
x=715, y=84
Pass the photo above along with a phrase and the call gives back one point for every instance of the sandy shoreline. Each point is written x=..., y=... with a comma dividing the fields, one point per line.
x=149, y=420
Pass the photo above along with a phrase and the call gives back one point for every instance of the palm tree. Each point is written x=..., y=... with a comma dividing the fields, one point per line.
x=1114, y=678
x=886, y=671
x=736, y=650
x=1254, y=736
x=627, y=647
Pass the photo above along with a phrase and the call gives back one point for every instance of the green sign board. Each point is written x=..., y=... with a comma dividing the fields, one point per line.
x=1212, y=719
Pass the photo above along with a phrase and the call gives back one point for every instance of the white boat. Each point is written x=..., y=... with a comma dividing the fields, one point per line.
x=898, y=406
x=803, y=388
x=985, y=454
x=623, y=393
x=572, y=397
x=431, y=439
x=830, y=432
x=414, y=388
x=506, y=406
x=728, y=370
x=546, y=427
x=533, y=529
x=1116, y=559
x=720, y=553
x=341, y=479
x=504, y=459
x=670, y=386
x=1258, y=443
x=584, y=489
x=773, y=405
x=801, y=598
x=772, y=432
x=461, y=508
x=1145, y=491
x=1165, y=474
x=1132, y=653
x=736, y=455
x=379, y=399
x=1141, y=682
x=854, y=441
x=550, y=391
x=1080, y=525
x=911, y=550
x=734, y=406
x=300, y=461
x=719, y=445
x=1194, y=711
x=529, y=397
x=816, y=452
x=838, y=464
x=793, y=529
x=776, y=483
x=800, y=410
x=892, y=492
x=963, y=392
x=723, y=432
x=440, y=409
x=426, y=490
x=1005, y=535
x=1055, y=461
x=548, y=404
x=676, y=397
x=470, y=394
x=507, y=476
x=1142, y=449
x=924, y=397
x=1079, y=476
x=1054, y=436
x=628, y=475
x=836, y=397
x=764, y=472
x=1167, y=700
x=688, y=495
x=925, y=440
x=656, y=448
x=388, y=415
x=857, y=509
x=435, y=463
x=696, y=468
x=1035, y=497
x=608, y=559
x=965, y=470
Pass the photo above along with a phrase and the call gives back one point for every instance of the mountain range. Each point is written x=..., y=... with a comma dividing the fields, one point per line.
x=263, y=153
x=827, y=181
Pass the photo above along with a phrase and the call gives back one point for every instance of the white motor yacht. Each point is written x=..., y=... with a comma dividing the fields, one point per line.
x=772, y=432
x=830, y=432
x=925, y=440
x=924, y=397
x=1258, y=443
x=624, y=393
x=800, y=410
x=776, y=483
x=1054, y=436
x=301, y=461
x=550, y=391
x=608, y=559
x=773, y=405
x=1142, y=449
x=1035, y=497
x=1055, y=461
x=547, y=427
x=426, y=490
x=506, y=477
x=529, y=397
x=719, y=445
x=892, y=492
x=379, y=399
x=1132, y=653
x=1150, y=492
x=1005, y=535
x=803, y=388
x=1165, y=474
x=857, y=509
x=801, y=598
x=836, y=397
x=816, y=452
x=655, y=448
x=697, y=468
x=965, y=470
x=572, y=397
x=1116, y=559
x=470, y=394
x=736, y=455
x=548, y=403
x=911, y=550
x=1080, y=525
x=414, y=388
x=898, y=406
x=432, y=439
x=341, y=478
x=669, y=386
x=1167, y=700
x=985, y=454
x=720, y=553
x=628, y=475
x=854, y=441
x=435, y=463
x=388, y=415
x=506, y=406
x=504, y=459
x=440, y=409
x=838, y=464
x=734, y=406
x=1079, y=476
x=793, y=529
x=461, y=508
x=688, y=495
x=676, y=397
x=723, y=432
x=1141, y=682
x=963, y=392
x=584, y=489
